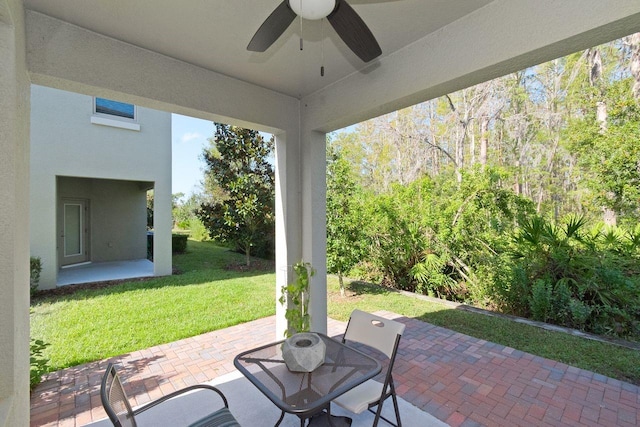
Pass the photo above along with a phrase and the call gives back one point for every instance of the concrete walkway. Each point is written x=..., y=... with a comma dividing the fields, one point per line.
x=459, y=379
x=102, y=271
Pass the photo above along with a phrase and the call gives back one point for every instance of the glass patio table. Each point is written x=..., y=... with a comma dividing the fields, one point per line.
x=307, y=394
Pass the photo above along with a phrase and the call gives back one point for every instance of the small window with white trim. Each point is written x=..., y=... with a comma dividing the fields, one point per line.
x=107, y=112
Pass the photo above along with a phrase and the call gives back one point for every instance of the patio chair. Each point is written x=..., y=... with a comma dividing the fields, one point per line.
x=383, y=335
x=116, y=404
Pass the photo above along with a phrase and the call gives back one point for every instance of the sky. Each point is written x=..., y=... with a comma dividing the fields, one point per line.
x=188, y=139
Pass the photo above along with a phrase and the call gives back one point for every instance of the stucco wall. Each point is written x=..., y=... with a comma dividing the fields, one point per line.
x=14, y=225
x=66, y=144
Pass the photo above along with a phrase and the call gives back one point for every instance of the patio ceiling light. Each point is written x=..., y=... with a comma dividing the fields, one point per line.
x=313, y=9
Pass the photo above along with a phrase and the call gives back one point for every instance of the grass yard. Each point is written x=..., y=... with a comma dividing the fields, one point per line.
x=95, y=324
x=603, y=358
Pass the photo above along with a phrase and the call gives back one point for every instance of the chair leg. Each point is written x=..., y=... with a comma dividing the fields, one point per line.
x=280, y=420
x=392, y=394
x=378, y=414
x=395, y=406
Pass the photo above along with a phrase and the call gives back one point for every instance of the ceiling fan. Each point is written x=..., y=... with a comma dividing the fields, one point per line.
x=344, y=20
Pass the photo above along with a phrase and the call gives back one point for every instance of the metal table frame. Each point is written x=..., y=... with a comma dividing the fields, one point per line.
x=344, y=369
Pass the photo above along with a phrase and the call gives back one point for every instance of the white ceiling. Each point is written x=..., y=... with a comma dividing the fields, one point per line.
x=213, y=34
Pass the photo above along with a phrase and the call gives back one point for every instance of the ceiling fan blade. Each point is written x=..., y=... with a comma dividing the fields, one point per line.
x=272, y=28
x=354, y=32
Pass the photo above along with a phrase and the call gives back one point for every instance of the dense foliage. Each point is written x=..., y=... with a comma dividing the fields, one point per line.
x=38, y=364
x=569, y=274
x=521, y=194
x=243, y=216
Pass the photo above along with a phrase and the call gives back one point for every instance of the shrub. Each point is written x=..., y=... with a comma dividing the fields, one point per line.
x=179, y=243
x=580, y=313
x=511, y=294
x=592, y=274
x=197, y=230
x=35, y=268
x=38, y=363
x=561, y=313
x=540, y=303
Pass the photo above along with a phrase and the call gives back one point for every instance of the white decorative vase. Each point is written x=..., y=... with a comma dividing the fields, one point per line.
x=303, y=352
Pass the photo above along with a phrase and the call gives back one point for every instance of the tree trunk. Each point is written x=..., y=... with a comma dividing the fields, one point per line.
x=459, y=153
x=341, y=281
x=609, y=216
x=601, y=115
x=634, y=64
x=517, y=186
x=484, y=140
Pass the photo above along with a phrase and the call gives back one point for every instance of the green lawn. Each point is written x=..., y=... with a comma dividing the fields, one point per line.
x=603, y=358
x=95, y=324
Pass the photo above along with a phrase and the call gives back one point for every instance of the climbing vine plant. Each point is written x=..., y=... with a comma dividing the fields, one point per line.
x=295, y=297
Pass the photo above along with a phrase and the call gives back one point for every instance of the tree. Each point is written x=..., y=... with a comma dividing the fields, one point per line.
x=609, y=158
x=238, y=163
x=344, y=226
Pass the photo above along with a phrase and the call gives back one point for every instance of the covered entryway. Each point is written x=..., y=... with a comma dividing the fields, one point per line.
x=101, y=229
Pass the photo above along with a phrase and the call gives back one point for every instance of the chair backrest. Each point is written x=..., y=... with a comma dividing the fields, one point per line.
x=114, y=399
x=374, y=331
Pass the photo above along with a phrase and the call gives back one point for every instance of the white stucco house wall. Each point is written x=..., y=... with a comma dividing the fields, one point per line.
x=92, y=161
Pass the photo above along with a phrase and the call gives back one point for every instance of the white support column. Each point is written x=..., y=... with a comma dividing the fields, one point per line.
x=301, y=219
x=14, y=218
x=314, y=222
x=287, y=211
x=162, y=221
x=162, y=226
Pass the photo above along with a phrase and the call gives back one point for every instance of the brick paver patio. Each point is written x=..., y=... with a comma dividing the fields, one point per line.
x=459, y=379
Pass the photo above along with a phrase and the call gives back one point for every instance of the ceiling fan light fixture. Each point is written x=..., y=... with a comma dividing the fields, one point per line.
x=312, y=9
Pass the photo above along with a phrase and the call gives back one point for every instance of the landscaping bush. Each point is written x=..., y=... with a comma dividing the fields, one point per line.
x=197, y=230
x=590, y=276
x=179, y=243
x=486, y=246
x=35, y=269
x=439, y=239
x=541, y=303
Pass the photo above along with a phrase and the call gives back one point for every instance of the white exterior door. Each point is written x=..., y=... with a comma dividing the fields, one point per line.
x=74, y=248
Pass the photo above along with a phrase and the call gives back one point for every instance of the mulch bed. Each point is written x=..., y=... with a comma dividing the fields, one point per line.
x=261, y=265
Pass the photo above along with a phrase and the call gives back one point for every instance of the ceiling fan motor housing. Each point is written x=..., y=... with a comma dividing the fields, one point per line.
x=312, y=9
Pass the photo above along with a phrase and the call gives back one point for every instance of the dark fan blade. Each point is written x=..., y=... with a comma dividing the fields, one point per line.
x=354, y=32
x=272, y=28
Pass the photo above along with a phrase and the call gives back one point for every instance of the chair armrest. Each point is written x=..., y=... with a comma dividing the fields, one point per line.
x=178, y=393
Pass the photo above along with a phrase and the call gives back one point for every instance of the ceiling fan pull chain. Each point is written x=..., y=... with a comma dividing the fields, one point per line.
x=300, y=26
x=322, y=49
